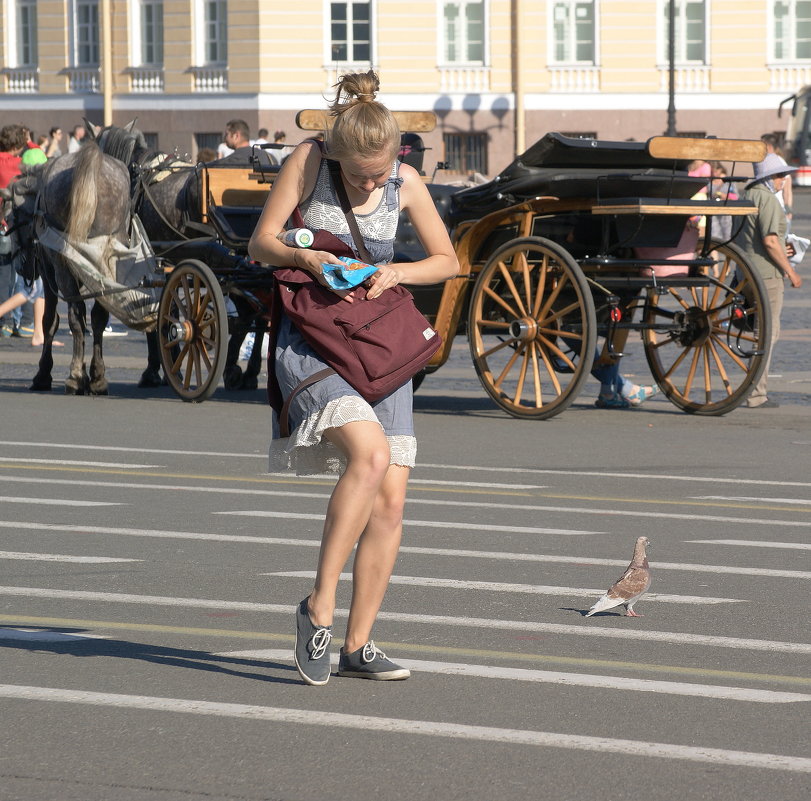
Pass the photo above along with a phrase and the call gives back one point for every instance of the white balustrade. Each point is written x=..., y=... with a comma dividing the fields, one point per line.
x=689, y=78
x=83, y=80
x=210, y=79
x=22, y=80
x=574, y=78
x=469, y=79
x=788, y=78
x=146, y=79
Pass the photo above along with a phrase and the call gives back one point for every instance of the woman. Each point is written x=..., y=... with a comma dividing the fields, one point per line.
x=375, y=442
x=762, y=238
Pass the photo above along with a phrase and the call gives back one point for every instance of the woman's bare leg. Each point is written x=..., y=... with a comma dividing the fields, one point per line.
x=375, y=557
x=367, y=453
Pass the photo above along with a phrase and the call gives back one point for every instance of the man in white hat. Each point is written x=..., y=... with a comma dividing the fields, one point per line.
x=762, y=238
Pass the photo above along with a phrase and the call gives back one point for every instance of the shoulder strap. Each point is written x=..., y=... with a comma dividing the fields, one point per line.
x=284, y=415
x=346, y=208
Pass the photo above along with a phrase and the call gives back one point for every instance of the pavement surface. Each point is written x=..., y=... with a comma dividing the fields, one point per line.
x=150, y=567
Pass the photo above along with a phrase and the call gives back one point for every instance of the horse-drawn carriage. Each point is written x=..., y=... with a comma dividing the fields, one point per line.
x=576, y=240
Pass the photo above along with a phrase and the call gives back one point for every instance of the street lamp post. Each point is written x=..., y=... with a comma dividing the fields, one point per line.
x=671, y=56
x=107, y=62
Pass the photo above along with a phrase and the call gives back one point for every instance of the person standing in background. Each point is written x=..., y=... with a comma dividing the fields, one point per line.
x=76, y=138
x=786, y=195
x=54, y=149
x=762, y=239
x=13, y=139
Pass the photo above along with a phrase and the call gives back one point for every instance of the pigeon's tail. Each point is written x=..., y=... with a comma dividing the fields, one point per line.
x=606, y=602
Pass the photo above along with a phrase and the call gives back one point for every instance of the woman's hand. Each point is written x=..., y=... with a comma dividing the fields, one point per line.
x=386, y=277
x=311, y=261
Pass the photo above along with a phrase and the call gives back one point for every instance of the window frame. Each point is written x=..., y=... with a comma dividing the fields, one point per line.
x=137, y=40
x=465, y=139
x=680, y=59
x=14, y=43
x=201, y=34
x=552, y=39
x=792, y=38
x=75, y=35
x=329, y=42
x=442, y=41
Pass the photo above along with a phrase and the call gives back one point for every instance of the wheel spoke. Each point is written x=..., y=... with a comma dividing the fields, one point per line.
x=536, y=306
x=553, y=296
x=496, y=348
x=501, y=302
x=522, y=374
x=507, y=368
x=492, y=324
x=508, y=279
x=558, y=314
x=553, y=376
x=720, y=367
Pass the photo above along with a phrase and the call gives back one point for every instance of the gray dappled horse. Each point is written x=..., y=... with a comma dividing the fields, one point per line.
x=85, y=195
x=166, y=192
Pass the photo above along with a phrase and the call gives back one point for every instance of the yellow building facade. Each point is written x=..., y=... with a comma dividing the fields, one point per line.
x=497, y=73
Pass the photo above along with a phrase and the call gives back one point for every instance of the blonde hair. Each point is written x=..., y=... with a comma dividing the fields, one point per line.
x=363, y=126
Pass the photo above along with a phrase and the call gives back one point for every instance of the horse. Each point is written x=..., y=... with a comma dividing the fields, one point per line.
x=85, y=195
x=166, y=197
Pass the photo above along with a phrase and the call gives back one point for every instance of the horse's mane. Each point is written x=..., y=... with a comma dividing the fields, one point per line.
x=122, y=144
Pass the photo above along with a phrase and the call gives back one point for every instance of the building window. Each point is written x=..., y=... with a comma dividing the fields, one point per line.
x=87, y=33
x=208, y=140
x=351, y=32
x=792, y=30
x=26, y=39
x=216, y=32
x=466, y=152
x=691, y=31
x=573, y=28
x=464, y=32
x=151, y=19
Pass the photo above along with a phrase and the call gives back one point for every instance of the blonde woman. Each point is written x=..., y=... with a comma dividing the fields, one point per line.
x=332, y=426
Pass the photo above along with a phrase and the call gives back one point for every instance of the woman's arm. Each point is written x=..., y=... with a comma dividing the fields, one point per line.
x=294, y=182
x=441, y=262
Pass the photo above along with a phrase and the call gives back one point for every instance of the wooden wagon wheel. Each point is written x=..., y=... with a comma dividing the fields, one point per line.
x=711, y=344
x=531, y=317
x=192, y=330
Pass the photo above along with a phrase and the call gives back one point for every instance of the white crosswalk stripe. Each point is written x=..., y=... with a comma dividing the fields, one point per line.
x=530, y=589
x=557, y=677
x=461, y=526
x=406, y=549
x=677, y=638
x=57, y=557
x=310, y=717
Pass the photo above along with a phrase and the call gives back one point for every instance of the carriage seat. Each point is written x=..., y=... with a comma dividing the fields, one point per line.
x=407, y=246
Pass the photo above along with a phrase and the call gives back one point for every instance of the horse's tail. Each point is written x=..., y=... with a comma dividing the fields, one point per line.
x=83, y=199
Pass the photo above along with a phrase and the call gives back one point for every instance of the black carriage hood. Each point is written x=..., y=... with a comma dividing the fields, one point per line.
x=563, y=167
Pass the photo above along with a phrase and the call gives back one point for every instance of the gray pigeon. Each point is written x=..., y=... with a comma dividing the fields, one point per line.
x=633, y=584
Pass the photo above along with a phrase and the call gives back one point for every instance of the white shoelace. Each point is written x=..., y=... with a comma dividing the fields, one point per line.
x=371, y=652
x=319, y=643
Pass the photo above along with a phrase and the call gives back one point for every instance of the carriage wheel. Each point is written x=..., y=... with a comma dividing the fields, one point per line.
x=192, y=329
x=531, y=317
x=712, y=342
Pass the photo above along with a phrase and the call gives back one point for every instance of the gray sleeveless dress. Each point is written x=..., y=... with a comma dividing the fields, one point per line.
x=332, y=402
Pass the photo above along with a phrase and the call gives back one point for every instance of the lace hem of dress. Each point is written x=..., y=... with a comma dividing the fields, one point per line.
x=308, y=453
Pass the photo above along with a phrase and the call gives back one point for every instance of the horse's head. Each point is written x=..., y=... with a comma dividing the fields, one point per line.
x=126, y=144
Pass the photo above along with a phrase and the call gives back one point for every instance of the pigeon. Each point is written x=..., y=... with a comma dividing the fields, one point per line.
x=633, y=584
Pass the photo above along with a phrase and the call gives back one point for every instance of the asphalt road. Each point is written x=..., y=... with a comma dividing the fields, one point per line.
x=150, y=568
